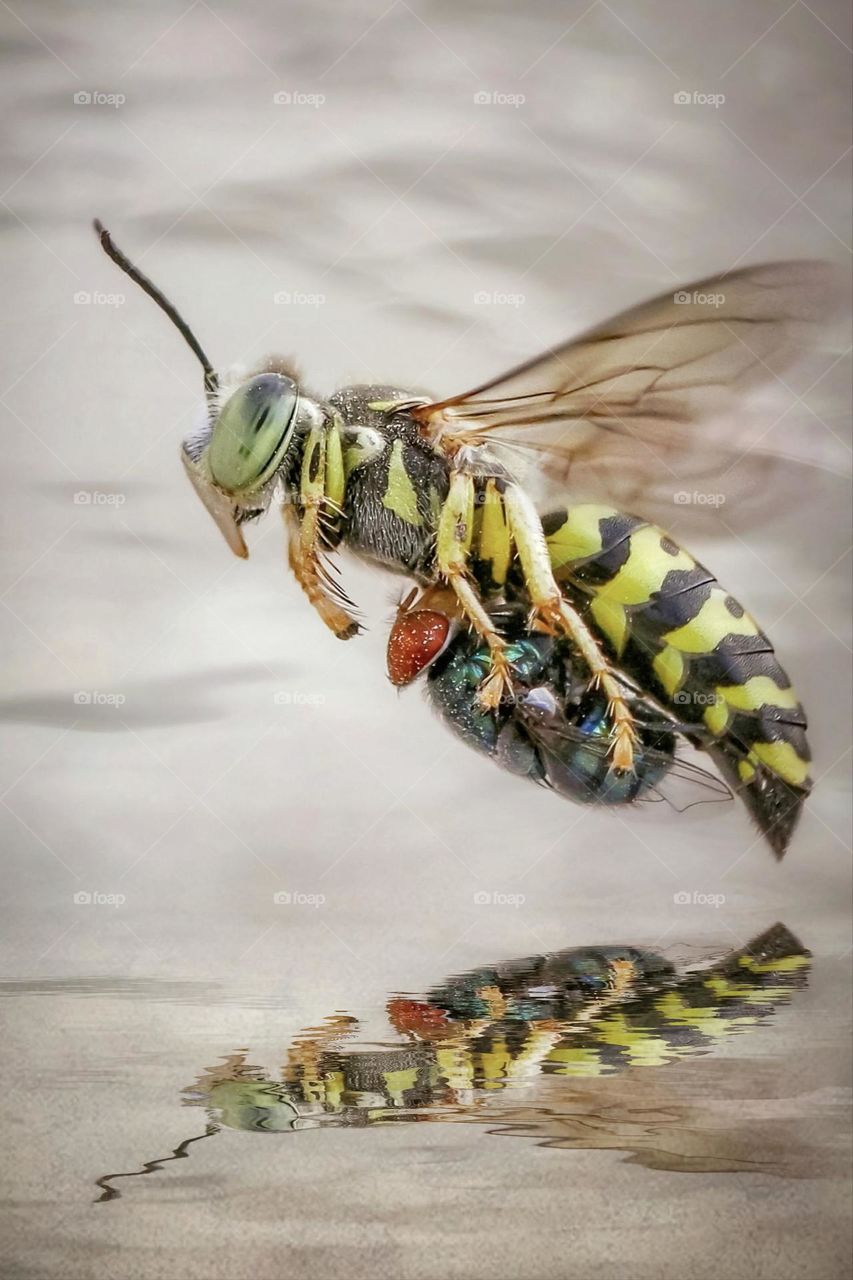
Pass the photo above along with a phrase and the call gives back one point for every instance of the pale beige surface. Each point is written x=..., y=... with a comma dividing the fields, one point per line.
x=398, y=200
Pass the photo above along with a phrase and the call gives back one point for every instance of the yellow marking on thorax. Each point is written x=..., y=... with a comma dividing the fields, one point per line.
x=712, y=624
x=579, y=536
x=783, y=760
x=400, y=496
x=335, y=470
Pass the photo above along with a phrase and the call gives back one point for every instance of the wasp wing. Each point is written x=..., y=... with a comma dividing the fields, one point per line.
x=615, y=412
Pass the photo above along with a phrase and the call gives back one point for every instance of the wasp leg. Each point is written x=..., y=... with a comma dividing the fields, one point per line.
x=550, y=607
x=320, y=496
x=453, y=548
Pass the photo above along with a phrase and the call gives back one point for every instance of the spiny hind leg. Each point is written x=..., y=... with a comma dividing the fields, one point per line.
x=550, y=608
x=453, y=548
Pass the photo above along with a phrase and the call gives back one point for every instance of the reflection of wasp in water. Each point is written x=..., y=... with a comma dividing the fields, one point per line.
x=581, y=1013
x=432, y=489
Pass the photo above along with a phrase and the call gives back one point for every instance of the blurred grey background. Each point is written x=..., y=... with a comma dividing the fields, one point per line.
x=420, y=192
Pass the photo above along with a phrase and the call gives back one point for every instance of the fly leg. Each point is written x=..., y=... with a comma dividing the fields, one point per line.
x=321, y=493
x=550, y=608
x=453, y=549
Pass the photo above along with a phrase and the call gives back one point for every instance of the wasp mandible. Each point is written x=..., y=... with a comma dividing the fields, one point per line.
x=435, y=490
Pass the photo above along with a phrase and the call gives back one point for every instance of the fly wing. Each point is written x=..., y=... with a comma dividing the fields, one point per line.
x=643, y=401
x=574, y=758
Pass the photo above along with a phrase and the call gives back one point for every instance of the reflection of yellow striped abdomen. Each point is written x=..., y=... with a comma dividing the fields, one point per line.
x=674, y=628
x=690, y=1018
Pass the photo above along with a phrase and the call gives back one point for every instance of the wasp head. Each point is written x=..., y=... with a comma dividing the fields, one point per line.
x=234, y=457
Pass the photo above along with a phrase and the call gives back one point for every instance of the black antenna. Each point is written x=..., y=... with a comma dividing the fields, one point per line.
x=180, y=1152
x=111, y=249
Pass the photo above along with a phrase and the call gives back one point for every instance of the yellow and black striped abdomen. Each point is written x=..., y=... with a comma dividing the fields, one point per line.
x=675, y=629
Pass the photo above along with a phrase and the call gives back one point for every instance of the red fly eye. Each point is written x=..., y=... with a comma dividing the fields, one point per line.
x=416, y=638
x=417, y=1018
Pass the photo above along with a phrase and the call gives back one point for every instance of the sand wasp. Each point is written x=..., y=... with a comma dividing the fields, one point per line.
x=437, y=490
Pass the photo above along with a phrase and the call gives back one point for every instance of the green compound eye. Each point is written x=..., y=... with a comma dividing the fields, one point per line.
x=252, y=433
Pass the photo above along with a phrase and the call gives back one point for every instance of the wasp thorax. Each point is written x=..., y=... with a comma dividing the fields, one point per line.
x=252, y=433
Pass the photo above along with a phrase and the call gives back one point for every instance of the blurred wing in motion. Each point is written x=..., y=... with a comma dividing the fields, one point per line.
x=615, y=413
